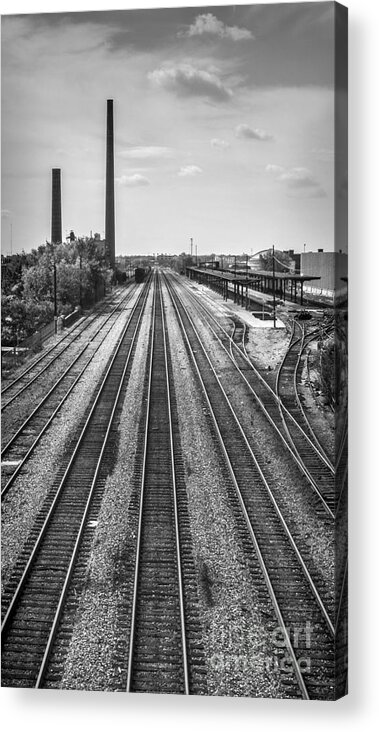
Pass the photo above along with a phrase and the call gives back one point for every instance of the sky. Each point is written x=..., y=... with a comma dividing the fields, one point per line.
x=223, y=122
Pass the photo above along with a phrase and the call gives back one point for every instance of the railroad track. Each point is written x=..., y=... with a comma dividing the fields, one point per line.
x=39, y=367
x=161, y=657
x=287, y=381
x=33, y=602
x=297, y=601
x=25, y=439
x=318, y=472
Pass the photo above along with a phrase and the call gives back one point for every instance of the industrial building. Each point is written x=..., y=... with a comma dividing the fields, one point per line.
x=330, y=267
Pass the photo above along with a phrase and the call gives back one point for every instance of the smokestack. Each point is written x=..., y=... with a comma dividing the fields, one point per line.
x=56, y=213
x=109, y=188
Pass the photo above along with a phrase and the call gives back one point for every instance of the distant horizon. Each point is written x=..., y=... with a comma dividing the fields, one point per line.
x=223, y=122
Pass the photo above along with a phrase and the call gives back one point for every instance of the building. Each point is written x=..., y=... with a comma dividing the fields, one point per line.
x=294, y=260
x=331, y=267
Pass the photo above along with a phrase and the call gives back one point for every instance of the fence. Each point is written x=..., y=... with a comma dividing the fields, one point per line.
x=71, y=318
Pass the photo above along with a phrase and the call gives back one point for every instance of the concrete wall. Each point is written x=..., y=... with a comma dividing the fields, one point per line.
x=330, y=266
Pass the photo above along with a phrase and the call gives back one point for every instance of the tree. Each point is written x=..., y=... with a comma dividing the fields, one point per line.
x=28, y=284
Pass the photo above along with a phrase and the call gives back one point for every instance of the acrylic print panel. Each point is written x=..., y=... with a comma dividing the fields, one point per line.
x=174, y=351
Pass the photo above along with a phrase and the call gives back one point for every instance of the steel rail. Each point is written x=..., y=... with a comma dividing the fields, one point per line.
x=77, y=324
x=26, y=572
x=268, y=489
x=176, y=513
x=34, y=444
x=141, y=506
x=308, y=338
x=82, y=527
x=241, y=501
x=62, y=376
x=263, y=408
x=284, y=411
x=54, y=359
x=266, y=385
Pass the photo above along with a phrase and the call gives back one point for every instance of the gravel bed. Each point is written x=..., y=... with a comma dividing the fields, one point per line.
x=27, y=494
x=265, y=346
x=31, y=358
x=237, y=638
x=93, y=645
x=13, y=417
x=321, y=418
x=282, y=474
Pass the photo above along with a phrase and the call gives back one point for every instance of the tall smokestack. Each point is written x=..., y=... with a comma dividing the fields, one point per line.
x=109, y=188
x=56, y=213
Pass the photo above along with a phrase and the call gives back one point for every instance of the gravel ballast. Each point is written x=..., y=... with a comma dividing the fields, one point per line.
x=240, y=646
x=90, y=660
x=282, y=474
x=30, y=488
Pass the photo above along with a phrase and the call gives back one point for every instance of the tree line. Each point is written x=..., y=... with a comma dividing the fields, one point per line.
x=50, y=280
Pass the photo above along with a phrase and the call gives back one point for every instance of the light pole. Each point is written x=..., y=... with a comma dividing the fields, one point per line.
x=273, y=284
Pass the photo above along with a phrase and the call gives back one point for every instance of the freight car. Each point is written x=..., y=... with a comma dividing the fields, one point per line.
x=140, y=273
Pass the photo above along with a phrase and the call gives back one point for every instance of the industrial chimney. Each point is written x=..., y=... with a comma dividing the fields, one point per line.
x=56, y=213
x=109, y=188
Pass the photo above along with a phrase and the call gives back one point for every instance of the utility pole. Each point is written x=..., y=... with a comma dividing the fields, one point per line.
x=191, y=240
x=196, y=255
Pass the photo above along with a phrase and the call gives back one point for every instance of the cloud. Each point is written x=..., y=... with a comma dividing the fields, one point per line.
x=189, y=171
x=133, y=180
x=297, y=181
x=274, y=169
x=5, y=213
x=248, y=133
x=297, y=178
x=147, y=152
x=209, y=24
x=220, y=144
x=185, y=80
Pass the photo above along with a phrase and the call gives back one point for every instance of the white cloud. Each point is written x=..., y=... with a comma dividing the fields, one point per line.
x=189, y=170
x=208, y=23
x=274, y=169
x=298, y=181
x=147, y=152
x=298, y=178
x=220, y=144
x=185, y=80
x=249, y=133
x=133, y=180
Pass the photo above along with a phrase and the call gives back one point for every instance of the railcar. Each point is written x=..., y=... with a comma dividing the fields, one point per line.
x=140, y=274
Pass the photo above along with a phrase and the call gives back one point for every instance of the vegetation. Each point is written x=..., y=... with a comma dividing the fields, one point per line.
x=61, y=276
